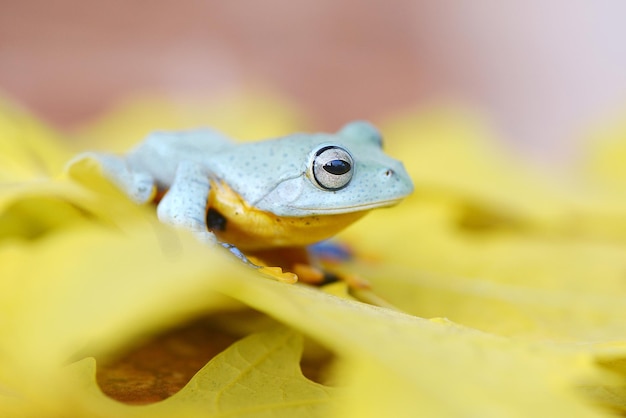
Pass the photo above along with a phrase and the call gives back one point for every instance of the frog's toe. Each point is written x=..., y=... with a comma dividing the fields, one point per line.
x=278, y=274
x=238, y=253
x=142, y=188
x=138, y=185
x=309, y=274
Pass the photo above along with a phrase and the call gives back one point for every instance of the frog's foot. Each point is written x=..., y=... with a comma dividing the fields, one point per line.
x=138, y=185
x=184, y=203
x=309, y=274
x=275, y=273
x=317, y=276
x=358, y=287
x=278, y=274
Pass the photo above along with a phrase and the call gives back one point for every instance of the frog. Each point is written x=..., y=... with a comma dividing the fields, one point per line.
x=266, y=201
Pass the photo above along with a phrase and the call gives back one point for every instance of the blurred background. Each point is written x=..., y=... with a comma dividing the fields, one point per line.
x=540, y=72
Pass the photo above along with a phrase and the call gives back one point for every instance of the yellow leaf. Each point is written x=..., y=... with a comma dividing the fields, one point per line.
x=84, y=285
x=257, y=376
x=399, y=363
x=452, y=155
x=488, y=245
x=85, y=271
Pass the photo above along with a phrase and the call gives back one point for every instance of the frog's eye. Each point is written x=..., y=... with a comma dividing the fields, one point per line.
x=332, y=168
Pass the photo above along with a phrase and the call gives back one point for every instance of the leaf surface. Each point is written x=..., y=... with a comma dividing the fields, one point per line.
x=258, y=376
x=482, y=242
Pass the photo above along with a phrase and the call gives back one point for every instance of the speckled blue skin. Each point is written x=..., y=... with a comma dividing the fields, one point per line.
x=274, y=175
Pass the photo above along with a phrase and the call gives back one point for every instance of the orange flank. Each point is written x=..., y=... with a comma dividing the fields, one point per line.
x=250, y=229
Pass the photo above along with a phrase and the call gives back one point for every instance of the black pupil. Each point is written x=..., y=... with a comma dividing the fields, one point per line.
x=337, y=167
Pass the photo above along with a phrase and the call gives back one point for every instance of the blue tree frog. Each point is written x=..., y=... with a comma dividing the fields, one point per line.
x=268, y=199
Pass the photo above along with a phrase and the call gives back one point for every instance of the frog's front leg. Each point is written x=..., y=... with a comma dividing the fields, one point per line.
x=138, y=185
x=185, y=202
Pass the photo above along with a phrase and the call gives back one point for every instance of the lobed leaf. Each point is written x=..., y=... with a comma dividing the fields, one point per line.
x=484, y=241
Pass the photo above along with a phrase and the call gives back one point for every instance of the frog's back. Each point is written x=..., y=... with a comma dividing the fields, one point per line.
x=161, y=152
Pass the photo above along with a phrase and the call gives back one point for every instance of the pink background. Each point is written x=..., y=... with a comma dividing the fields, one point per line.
x=541, y=71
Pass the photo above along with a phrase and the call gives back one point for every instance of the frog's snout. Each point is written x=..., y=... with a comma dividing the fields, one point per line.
x=389, y=174
x=395, y=177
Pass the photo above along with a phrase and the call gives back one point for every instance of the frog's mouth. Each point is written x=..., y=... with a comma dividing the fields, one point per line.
x=349, y=208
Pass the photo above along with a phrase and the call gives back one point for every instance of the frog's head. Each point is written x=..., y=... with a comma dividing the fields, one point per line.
x=338, y=173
